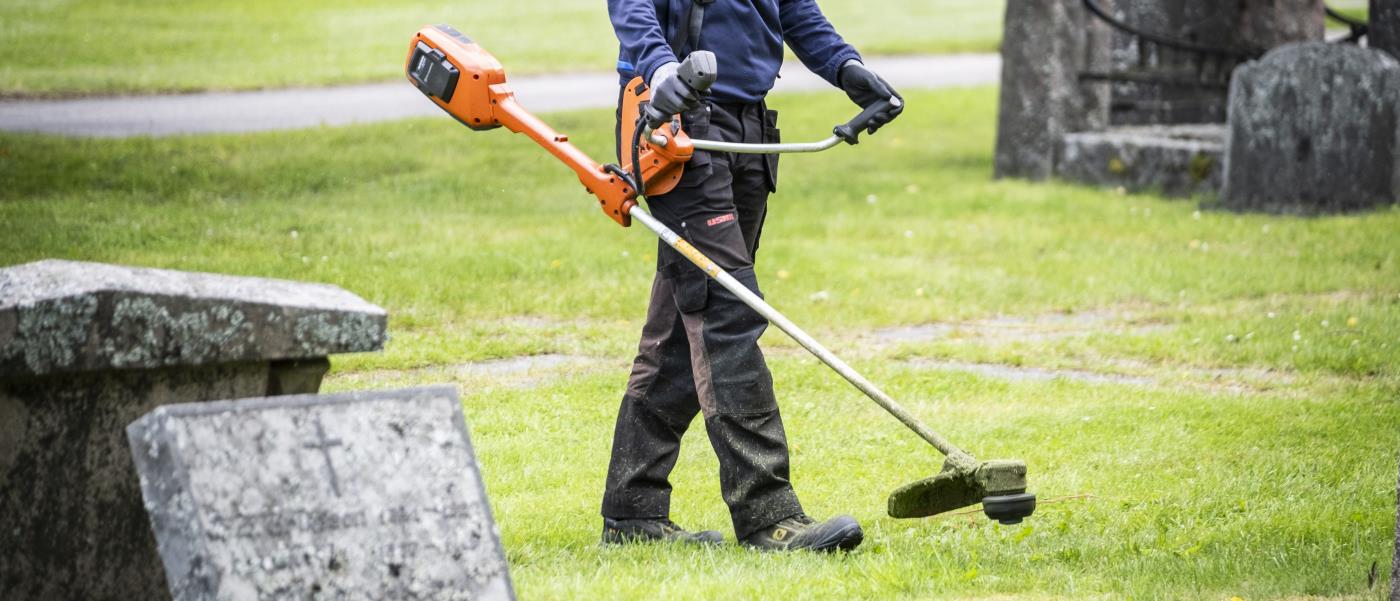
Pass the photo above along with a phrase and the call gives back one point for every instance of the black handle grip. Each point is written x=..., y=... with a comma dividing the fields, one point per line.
x=850, y=132
x=698, y=71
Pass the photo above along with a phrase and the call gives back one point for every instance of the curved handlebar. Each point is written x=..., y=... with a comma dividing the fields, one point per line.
x=850, y=132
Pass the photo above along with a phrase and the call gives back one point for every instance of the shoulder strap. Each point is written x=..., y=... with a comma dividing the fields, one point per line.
x=687, y=36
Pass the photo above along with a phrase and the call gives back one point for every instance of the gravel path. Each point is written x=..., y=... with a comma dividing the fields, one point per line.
x=311, y=107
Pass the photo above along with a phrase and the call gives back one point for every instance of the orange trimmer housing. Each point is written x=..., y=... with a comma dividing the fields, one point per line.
x=466, y=81
x=662, y=167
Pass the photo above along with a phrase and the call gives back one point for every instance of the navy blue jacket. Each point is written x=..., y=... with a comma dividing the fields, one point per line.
x=746, y=36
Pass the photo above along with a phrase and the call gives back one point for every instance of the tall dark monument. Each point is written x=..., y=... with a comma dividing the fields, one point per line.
x=1074, y=69
x=1385, y=26
x=1137, y=94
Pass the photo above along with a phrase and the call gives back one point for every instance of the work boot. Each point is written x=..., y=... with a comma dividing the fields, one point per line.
x=802, y=532
x=617, y=532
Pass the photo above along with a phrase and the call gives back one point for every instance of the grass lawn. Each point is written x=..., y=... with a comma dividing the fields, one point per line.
x=93, y=46
x=1207, y=400
x=1357, y=9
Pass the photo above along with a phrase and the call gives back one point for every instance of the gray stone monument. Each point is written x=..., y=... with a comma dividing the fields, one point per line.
x=85, y=349
x=1273, y=23
x=1395, y=561
x=1177, y=160
x=1385, y=26
x=372, y=495
x=1045, y=45
x=1314, y=128
x=1241, y=25
x=1070, y=81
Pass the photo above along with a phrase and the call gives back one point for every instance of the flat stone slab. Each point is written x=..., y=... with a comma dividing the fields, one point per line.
x=372, y=495
x=67, y=316
x=1177, y=160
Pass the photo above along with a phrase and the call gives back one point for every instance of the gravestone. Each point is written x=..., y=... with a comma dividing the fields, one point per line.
x=1142, y=100
x=1314, y=128
x=1385, y=26
x=86, y=348
x=373, y=495
x=1045, y=45
x=1174, y=160
x=1273, y=23
x=1068, y=75
x=1246, y=26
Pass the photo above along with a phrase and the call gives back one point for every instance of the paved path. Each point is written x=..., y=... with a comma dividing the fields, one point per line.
x=298, y=108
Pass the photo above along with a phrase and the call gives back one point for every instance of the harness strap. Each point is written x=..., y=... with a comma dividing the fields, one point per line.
x=687, y=36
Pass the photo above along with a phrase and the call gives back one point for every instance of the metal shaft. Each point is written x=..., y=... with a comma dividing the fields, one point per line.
x=660, y=139
x=758, y=304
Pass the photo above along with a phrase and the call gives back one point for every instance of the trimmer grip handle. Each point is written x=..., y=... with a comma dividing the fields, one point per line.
x=850, y=132
x=698, y=72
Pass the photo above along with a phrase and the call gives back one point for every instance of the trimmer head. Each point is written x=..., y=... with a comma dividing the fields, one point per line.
x=1000, y=486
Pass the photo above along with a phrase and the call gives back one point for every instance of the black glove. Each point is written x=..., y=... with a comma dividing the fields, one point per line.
x=866, y=88
x=670, y=94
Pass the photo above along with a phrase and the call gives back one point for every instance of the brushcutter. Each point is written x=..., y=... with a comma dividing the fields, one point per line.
x=466, y=81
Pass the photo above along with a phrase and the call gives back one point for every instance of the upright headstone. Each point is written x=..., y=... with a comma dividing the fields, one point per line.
x=1273, y=23
x=1395, y=561
x=85, y=349
x=1241, y=26
x=1144, y=99
x=1385, y=26
x=1046, y=44
x=1314, y=128
x=372, y=495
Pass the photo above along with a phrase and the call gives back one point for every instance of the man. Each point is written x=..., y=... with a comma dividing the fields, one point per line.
x=699, y=350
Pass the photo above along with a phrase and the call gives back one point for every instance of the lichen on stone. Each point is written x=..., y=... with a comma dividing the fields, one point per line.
x=52, y=335
x=63, y=316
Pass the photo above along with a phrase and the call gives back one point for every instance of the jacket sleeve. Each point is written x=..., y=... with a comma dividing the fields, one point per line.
x=639, y=29
x=813, y=39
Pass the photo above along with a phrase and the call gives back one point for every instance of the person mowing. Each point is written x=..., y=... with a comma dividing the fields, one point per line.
x=699, y=348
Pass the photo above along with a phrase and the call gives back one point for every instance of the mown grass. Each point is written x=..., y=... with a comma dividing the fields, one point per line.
x=90, y=46
x=481, y=247
x=1356, y=9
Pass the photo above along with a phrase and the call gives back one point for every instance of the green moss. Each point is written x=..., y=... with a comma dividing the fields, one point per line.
x=1202, y=166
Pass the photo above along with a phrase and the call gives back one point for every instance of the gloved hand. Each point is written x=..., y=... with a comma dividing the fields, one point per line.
x=669, y=94
x=866, y=88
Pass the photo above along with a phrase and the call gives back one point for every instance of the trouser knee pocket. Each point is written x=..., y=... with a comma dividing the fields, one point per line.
x=740, y=377
x=690, y=286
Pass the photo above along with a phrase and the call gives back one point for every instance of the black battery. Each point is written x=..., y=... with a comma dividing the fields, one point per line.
x=433, y=73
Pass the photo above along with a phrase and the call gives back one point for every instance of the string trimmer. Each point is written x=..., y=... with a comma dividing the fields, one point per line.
x=470, y=84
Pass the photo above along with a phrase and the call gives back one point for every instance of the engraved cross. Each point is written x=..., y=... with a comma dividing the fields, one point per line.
x=324, y=445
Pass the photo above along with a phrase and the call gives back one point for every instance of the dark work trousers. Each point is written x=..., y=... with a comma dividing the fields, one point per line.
x=699, y=350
